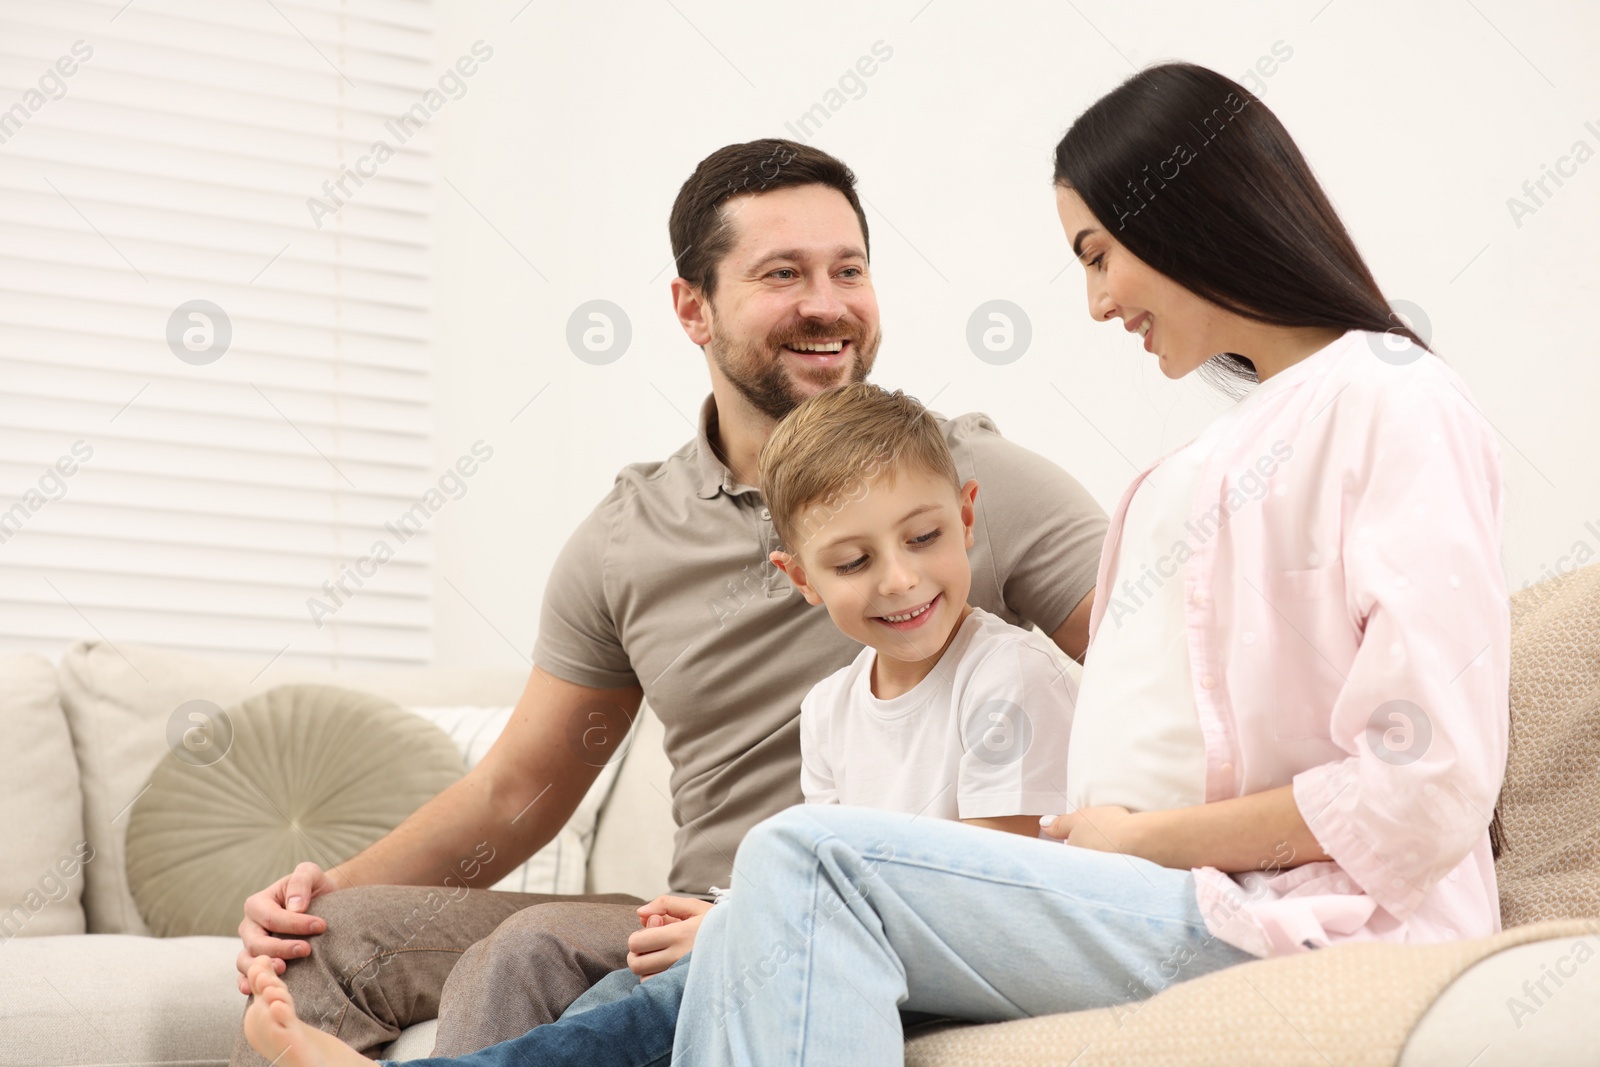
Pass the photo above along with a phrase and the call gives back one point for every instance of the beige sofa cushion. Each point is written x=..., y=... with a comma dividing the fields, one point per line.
x=118, y=700
x=1550, y=805
x=118, y=1001
x=311, y=772
x=42, y=845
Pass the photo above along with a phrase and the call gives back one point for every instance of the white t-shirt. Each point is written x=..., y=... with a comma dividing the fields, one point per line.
x=983, y=735
x=1136, y=738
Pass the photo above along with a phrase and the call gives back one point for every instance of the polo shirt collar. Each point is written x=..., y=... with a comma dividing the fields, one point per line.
x=715, y=477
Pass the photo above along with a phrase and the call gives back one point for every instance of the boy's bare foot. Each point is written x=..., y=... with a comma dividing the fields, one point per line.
x=273, y=1030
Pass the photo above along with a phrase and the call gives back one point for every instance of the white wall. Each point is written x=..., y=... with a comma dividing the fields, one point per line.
x=1420, y=118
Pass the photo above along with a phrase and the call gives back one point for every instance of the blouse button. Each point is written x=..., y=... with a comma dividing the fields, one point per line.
x=1199, y=596
x=1226, y=769
x=1208, y=682
x=766, y=513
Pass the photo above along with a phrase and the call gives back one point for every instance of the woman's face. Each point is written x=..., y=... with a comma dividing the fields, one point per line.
x=1180, y=328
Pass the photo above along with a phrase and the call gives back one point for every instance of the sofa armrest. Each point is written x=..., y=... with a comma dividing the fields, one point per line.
x=1352, y=1003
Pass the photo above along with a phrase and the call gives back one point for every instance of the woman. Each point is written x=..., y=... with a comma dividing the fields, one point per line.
x=1292, y=723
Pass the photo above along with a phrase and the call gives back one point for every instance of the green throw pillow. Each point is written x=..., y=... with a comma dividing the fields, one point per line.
x=300, y=772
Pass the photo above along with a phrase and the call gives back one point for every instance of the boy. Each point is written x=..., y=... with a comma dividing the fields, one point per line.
x=947, y=712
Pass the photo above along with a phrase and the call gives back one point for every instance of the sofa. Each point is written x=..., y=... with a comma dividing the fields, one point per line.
x=83, y=979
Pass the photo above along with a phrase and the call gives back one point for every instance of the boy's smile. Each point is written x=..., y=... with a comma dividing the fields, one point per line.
x=912, y=619
x=892, y=569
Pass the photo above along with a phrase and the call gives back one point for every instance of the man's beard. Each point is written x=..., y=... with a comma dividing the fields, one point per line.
x=758, y=370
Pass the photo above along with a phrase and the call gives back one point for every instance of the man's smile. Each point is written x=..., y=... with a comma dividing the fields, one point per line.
x=823, y=353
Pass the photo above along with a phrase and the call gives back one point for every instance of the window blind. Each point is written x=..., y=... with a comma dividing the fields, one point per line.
x=214, y=327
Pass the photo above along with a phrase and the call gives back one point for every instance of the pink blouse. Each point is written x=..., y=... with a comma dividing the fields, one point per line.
x=1348, y=632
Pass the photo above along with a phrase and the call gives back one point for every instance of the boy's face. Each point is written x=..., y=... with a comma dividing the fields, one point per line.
x=900, y=549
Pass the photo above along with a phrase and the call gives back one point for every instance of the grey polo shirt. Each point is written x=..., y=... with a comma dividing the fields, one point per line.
x=667, y=585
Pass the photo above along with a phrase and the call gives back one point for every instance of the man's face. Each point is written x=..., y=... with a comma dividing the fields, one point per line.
x=794, y=312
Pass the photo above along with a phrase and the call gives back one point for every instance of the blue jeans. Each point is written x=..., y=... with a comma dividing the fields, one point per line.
x=617, y=985
x=620, y=1022
x=840, y=915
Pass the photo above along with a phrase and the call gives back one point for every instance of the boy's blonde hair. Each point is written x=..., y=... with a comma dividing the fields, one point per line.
x=827, y=451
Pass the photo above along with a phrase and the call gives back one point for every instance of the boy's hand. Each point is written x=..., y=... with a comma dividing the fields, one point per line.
x=1106, y=828
x=669, y=928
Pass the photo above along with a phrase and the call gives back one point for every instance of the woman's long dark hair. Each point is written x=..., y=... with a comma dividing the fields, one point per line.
x=1199, y=179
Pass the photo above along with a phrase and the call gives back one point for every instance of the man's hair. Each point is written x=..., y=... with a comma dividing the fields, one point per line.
x=701, y=234
x=829, y=449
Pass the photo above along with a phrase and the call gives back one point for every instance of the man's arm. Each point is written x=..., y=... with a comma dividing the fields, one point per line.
x=1072, y=636
x=516, y=799
x=513, y=802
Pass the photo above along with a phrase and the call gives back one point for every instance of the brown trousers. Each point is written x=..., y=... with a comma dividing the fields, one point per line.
x=489, y=966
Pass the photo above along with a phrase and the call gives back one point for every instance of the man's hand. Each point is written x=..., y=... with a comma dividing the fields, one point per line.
x=280, y=909
x=1106, y=828
x=670, y=925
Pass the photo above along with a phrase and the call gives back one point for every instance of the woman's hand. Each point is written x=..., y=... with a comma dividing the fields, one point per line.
x=1260, y=832
x=1107, y=828
x=670, y=925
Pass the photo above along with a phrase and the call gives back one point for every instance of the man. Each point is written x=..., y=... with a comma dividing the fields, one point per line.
x=664, y=592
